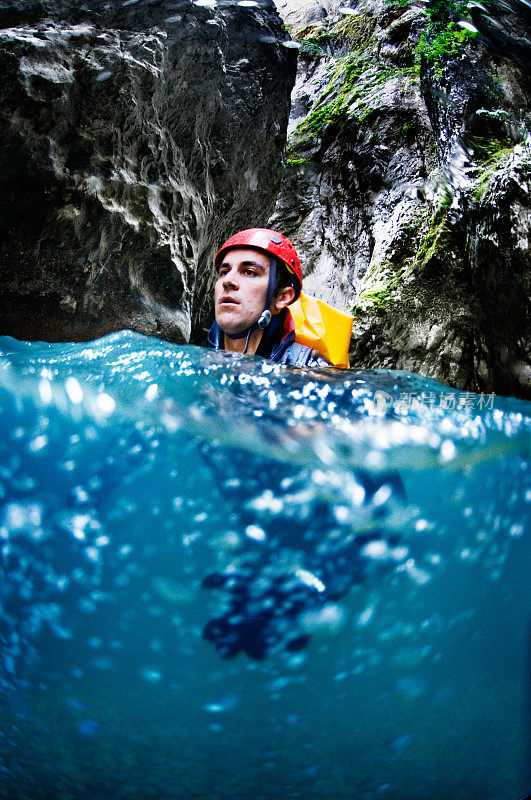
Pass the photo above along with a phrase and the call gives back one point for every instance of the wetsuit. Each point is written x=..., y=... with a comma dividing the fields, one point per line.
x=297, y=567
x=277, y=343
x=261, y=597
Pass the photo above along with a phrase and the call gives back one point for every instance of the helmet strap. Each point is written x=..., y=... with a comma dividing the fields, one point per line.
x=265, y=317
x=246, y=341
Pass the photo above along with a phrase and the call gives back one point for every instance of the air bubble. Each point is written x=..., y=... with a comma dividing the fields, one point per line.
x=325, y=620
x=377, y=549
x=255, y=533
x=382, y=495
x=365, y=616
x=45, y=391
x=74, y=390
x=222, y=705
x=103, y=663
x=151, y=392
x=105, y=403
x=448, y=451
x=151, y=675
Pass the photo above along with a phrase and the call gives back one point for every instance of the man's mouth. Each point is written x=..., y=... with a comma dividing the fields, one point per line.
x=227, y=301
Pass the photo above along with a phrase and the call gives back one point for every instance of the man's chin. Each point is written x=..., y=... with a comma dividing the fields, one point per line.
x=231, y=327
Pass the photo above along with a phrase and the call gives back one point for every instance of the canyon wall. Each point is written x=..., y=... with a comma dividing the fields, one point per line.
x=134, y=136
x=408, y=183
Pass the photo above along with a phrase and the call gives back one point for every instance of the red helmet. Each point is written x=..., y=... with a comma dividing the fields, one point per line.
x=270, y=241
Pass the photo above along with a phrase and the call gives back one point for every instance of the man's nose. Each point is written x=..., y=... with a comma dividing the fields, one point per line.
x=229, y=279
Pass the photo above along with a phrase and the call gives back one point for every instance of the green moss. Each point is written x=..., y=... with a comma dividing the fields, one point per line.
x=353, y=80
x=492, y=154
x=488, y=148
x=321, y=116
x=444, y=37
x=314, y=33
x=439, y=44
x=492, y=165
x=313, y=49
x=315, y=41
x=382, y=281
x=295, y=159
x=385, y=282
x=437, y=238
x=356, y=31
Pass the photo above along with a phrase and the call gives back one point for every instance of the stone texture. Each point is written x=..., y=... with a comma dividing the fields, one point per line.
x=134, y=137
x=408, y=194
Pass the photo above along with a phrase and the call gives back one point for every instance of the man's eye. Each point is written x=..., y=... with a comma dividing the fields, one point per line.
x=251, y=272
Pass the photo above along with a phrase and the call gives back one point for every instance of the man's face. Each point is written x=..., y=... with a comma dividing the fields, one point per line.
x=241, y=289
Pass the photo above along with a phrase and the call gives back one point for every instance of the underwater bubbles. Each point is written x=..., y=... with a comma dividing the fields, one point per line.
x=74, y=390
x=218, y=573
x=150, y=675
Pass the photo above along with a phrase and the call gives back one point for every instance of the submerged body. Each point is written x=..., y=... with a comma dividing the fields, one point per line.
x=155, y=496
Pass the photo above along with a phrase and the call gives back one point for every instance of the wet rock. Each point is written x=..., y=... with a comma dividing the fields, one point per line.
x=407, y=188
x=134, y=137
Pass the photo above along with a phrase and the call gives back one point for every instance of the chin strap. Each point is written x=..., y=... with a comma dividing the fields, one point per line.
x=265, y=317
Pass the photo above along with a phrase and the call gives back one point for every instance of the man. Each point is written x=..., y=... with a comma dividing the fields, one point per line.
x=259, y=276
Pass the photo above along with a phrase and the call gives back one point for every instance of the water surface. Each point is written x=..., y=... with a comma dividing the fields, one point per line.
x=225, y=578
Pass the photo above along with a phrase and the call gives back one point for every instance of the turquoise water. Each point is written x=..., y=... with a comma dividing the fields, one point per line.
x=223, y=578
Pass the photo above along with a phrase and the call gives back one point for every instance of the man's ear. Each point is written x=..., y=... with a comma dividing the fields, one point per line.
x=285, y=296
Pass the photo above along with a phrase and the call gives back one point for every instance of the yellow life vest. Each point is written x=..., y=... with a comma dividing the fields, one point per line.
x=323, y=328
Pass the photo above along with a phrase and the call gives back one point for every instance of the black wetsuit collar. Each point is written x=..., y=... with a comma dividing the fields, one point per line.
x=272, y=334
x=272, y=343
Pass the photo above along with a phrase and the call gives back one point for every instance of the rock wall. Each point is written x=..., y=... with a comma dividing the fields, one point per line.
x=134, y=136
x=408, y=184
